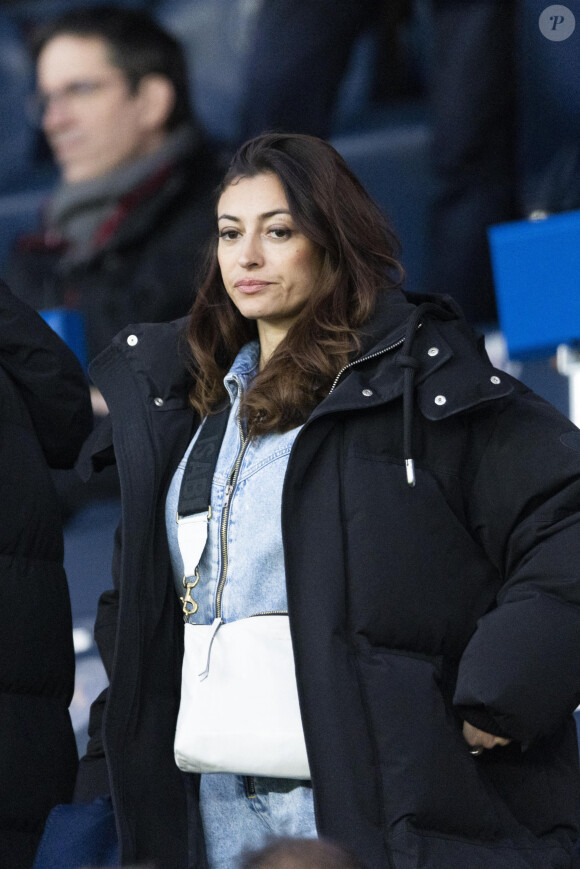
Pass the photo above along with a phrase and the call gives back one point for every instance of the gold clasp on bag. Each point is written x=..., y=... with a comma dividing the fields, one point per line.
x=190, y=606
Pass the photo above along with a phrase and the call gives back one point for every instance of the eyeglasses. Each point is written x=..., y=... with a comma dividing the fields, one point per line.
x=75, y=92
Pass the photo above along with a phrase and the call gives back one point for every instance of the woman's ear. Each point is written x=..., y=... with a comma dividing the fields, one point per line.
x=157, y=96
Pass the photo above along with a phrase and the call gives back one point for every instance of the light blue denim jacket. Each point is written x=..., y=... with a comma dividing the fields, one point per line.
x=255, y=562
x=255, y=583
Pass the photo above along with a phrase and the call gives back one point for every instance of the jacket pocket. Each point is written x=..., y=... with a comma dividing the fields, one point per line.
x=428, y=777
x=415, y=848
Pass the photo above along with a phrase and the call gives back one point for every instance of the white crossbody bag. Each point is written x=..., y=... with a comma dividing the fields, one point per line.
x=239, y=710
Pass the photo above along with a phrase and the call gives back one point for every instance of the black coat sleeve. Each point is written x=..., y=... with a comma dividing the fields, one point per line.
x=520, y=673
x=49, y=377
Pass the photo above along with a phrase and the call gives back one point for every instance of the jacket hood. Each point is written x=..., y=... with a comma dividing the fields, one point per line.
x=392, y=312
x=442, y=364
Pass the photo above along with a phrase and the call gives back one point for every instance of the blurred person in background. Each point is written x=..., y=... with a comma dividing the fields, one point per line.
x=45, y=416
x=298, y=58
x=122, y=231
x=300, y=54
x=472, y=88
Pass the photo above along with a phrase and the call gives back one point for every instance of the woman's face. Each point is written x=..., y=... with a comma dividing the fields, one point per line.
x=269, y=268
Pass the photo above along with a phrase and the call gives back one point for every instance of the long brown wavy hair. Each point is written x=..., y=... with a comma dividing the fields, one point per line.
x=359, y=260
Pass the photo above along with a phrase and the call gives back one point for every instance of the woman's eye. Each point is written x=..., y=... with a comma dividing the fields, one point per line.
x=280, y=232
x=229, y=234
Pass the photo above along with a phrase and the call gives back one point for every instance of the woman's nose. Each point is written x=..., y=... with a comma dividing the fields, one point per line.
x=251, y=252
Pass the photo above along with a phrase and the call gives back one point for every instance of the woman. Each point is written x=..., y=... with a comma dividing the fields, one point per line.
x=45, y=417
x=414, y=510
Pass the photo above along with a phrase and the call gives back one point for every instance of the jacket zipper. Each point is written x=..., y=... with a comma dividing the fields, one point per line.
x=365, y=359
x=230, y=486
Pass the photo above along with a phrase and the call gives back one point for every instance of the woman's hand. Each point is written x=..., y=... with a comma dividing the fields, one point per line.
x=478, y=740
x=98, y=402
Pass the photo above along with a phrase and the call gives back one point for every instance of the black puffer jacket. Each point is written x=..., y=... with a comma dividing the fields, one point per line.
x=412, y=607
x=45, y=415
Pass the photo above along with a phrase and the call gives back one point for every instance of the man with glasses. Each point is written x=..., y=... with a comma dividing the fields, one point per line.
x=124, y=227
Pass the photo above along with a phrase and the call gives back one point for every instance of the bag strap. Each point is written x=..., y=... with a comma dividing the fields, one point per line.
x=194, y=505
x=195, y=492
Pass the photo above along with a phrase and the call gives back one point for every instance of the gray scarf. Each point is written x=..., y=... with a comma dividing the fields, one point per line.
x=76, y=211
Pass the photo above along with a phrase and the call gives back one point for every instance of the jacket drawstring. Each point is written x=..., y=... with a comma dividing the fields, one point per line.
x=409, y=365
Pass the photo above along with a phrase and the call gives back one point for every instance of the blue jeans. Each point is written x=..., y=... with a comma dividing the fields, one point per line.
x=238, y=817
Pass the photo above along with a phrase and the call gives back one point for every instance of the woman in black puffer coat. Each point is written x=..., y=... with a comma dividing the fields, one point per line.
x=45, y=414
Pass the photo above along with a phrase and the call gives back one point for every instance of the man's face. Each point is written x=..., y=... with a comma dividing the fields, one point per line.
x=92, y=120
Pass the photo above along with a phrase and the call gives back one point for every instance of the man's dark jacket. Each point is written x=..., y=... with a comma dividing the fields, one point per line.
x=411, y=607
x=143, y=265
x=45, y=415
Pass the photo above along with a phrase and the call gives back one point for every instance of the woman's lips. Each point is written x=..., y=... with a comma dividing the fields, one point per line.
x=250, y=286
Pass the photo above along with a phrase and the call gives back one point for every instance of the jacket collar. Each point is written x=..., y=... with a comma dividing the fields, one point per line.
x=449, y=359
x=428, y=354
x=145, y=366
x=418, y=347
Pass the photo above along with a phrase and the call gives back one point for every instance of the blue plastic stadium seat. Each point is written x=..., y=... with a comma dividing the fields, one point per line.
x=392, y=163
x=216, y=35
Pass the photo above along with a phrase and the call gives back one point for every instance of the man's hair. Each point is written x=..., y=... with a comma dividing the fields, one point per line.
x=136, y=45
x=359, y=256
x=287, y=853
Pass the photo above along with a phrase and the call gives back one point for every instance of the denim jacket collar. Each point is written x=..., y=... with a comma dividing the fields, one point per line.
x=244, y=369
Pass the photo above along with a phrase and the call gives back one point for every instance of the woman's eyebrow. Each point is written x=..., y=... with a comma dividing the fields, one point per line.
x=265, y=216
x=269, y=214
